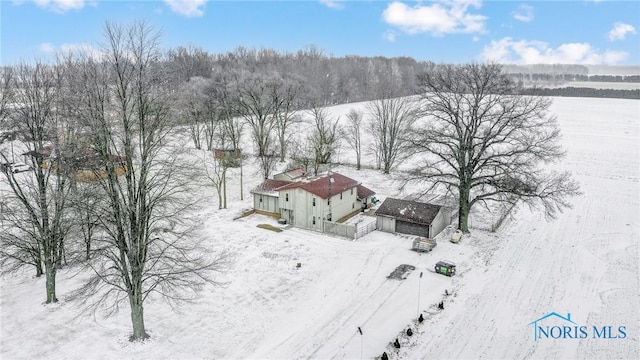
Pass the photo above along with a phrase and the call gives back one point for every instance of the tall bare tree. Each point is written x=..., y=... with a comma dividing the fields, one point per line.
x=146, y=247
x=35, y=211
x=483, y=141
x=391, y=120
x=256, y=106
x=353, y=133
x=6, y=94
x=285, y=95
x=323, y=140
x=191, y=105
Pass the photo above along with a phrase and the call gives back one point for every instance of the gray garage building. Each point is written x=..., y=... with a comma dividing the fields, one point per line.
x=411, y=217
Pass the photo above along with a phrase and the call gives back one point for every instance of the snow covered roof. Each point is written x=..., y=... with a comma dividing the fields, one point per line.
x=291, y=174
x=324, y=185
x=270, y=187
x=407, y=210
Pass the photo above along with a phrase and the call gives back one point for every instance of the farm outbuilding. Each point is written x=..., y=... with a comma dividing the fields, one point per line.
x=411, y=217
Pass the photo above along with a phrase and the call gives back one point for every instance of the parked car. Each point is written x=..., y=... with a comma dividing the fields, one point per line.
x=19, y=167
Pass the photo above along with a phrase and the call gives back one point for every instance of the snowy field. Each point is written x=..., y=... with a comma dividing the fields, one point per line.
x=584, y=263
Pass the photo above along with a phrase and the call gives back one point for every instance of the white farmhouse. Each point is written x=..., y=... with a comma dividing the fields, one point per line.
x=308, y=202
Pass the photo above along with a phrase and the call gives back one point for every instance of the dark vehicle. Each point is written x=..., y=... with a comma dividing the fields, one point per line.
x=19, y=167
x=446, y=268
x=401, y=272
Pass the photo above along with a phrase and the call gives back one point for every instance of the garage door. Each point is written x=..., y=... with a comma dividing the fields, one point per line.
x=404, y=227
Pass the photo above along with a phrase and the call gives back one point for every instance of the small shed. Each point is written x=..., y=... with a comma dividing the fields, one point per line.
x=411, y=217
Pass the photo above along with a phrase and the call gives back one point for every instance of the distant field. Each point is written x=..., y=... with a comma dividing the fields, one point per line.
x=598, y=85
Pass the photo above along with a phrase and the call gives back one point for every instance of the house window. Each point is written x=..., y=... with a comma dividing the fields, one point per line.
x=351, y=191
x=353, y=205
x=340, y=196
x=328, y=201
x=313, y=201
x=260, y=198
x=314, y=220
x=286, y=197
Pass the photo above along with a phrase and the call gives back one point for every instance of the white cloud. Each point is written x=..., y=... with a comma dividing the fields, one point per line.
x=620, y=31
x=524, y=13
x=188, y=8
x=47, y=48
x=509, y=51
x=83, y=48
x=439, y=18
x=59, y=6
x=333, y=4
x=390, y=36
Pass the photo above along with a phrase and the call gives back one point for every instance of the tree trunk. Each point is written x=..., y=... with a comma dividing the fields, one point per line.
x=50, y=272
x=463, y=213
x=60, y=256
x=39, y=271
x=224, y=186
x=241, y=192
x=88, y=249
x=137, y=314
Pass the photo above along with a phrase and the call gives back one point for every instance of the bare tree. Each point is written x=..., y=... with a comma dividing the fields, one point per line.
x=323, y=140
x=487, y=143
x=391, y=120
x=145, y=247
x=6, y=94
x=285, y=94
x=215, y=171
x=191, y=105
x=87, y=202
x=256, y=106
x=353, y=132
x=35, y=208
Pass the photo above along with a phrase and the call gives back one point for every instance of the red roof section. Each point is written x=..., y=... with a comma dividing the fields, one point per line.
x=322, y=185
x=364, y=192
x=270, y=185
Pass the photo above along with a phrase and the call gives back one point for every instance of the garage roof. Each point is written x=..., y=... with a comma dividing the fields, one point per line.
x=407, y=210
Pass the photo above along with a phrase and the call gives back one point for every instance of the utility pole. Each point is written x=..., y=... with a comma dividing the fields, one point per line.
x=361, y=340
x=419, y=283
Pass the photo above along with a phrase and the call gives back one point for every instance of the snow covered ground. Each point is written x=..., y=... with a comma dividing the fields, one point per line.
x=584, y=263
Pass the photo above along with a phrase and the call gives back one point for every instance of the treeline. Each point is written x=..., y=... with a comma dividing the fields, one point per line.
x=584, y=92
x=574, y=77
x=326, y=80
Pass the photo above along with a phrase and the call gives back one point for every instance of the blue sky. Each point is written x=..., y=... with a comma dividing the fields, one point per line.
x=456, y=31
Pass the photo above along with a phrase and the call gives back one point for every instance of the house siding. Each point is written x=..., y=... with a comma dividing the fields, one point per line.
x=268, y=203
x=300, y=205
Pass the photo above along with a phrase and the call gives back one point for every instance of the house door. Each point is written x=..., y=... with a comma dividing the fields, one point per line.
x=290, y=217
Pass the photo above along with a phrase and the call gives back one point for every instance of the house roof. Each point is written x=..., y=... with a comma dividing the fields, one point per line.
x=407, y=210
x=269, y=187
x=292, y=173
x=323, y=186
x=364, y=192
